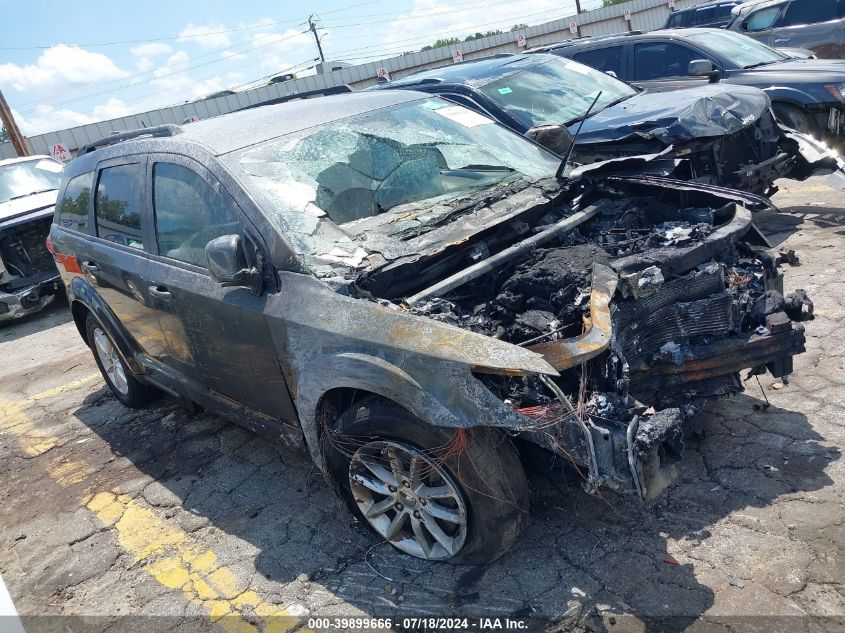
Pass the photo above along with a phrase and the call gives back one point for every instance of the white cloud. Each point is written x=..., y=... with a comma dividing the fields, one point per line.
x=208, y=36
x=279, y=51
x=46, y=118
x=151, y=49
x=112, y=109
x=146, y=54
x=59, y=68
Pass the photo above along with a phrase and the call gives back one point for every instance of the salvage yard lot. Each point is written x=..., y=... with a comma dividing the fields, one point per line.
x=110, y=512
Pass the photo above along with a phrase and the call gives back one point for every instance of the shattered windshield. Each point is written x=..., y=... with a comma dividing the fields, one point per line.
x=26, y=178
x=557, y=92
x=370, y=175
x=741, y=50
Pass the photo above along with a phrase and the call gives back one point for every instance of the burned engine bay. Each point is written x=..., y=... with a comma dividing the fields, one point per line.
x=648, y=299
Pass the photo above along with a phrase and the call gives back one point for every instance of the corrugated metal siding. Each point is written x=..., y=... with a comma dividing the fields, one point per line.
x=647, y=15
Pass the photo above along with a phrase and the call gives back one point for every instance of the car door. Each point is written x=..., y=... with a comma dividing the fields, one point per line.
x=113, y=260
x=218, y=335
x=659, y=66
x=761, y=23
x=812, y=24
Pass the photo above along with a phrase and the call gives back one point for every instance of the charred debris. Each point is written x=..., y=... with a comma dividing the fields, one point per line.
x=648, y=299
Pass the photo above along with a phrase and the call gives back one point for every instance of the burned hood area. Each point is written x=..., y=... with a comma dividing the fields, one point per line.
x=647, y=297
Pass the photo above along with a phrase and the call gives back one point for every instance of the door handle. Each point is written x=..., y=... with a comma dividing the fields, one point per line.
x=90, y=267
x=160, y=292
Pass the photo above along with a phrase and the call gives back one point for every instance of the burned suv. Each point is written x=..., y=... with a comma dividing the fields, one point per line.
x=28, y=277
x=405, y=289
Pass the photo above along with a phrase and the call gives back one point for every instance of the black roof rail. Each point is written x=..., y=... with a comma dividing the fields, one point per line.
x=146, y=132
x=322, y=92
x=579, y=40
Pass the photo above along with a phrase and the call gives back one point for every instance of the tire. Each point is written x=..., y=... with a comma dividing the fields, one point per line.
x=794, y=117
x=120, y=380
x=485, y=472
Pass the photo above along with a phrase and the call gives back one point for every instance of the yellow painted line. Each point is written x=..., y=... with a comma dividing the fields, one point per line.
x=174, y=558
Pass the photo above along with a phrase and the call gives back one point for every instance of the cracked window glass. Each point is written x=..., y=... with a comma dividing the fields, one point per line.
x=399, y=162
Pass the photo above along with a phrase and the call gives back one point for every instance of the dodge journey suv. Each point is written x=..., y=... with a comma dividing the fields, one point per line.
x=412, y=292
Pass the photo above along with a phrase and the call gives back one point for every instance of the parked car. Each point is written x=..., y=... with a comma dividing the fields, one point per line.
x=818, y=25
x=724, y=135
x=716, y=14
x=806, y=94
x=399, y=285
x=28, y=277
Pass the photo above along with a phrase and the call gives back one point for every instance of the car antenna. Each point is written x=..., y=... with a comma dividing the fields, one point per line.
x=566, y=158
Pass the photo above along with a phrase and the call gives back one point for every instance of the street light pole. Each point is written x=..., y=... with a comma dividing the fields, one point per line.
x=18, y=140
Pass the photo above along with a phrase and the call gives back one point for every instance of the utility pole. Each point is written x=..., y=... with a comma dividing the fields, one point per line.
x=578, y=7
x=18, y=140
x=316, y=38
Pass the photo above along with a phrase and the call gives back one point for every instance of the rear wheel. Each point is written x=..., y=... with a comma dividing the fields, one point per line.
x=440, y=494
x=123, y=384
x=794, y=117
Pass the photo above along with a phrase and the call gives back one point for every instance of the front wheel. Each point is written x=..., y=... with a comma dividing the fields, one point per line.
x=793, y=117
x=457, y=495
x=122, y=383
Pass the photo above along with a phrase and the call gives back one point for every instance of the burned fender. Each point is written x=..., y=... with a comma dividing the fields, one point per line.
x=424, y=365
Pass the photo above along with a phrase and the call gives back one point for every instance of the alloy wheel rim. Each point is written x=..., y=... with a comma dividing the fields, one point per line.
x=409, y=499
x=111, y=361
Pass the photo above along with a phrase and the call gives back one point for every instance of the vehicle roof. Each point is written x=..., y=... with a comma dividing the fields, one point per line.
x=706, y=5
x=609, y=39
x=236, y=130
x=23, y=159
x=476, y=72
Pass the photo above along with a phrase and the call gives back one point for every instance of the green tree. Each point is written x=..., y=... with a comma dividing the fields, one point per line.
x=610, y=3
x=449, y=41
x=519, y=27
x=4, y=135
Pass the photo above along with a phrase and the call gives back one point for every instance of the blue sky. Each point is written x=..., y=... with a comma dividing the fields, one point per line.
x=69, y=63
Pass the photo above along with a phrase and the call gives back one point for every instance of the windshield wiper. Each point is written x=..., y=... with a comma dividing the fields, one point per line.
x=565, y=161
x=503, y=168
x=31, y=193
x=758, y=64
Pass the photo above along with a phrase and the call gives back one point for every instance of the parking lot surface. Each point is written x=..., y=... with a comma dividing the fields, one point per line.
x=116, y=519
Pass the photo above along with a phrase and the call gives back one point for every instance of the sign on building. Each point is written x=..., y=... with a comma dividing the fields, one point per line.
x=383, y=73
x=628, y=15
x=61, y=153
x=520, y=40
x=457, y=56
x=573, y=27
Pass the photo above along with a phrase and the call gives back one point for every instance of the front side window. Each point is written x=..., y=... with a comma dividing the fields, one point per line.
x=603, y=59
x=812, y=12
x=762, y=20
x=26, y=178
x=656, y=60
x=189, y=213
x=118, y=204
x=343, y=188
x=556, y=92
x=73, y=209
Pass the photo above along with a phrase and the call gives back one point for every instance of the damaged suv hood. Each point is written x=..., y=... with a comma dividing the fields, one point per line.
x=14, y=209
x=677, y=117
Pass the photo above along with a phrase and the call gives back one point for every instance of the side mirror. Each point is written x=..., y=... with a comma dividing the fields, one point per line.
x=702, y=68
x=227, y=263
x=553, y=137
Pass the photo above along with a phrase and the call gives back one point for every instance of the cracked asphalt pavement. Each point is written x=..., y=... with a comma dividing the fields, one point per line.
x=115, y=519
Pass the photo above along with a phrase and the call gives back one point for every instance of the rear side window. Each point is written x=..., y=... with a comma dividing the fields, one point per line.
x=812, y=12
x=656, y=60
x=762, y=20
x=73, y=209
x=603, y=59
x=118, y=205
x=189, y=213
